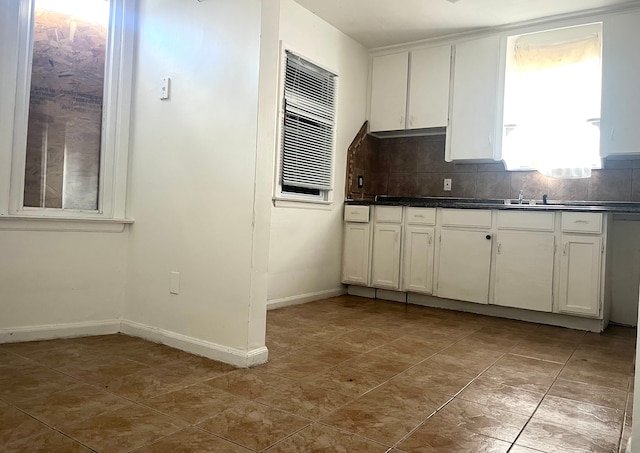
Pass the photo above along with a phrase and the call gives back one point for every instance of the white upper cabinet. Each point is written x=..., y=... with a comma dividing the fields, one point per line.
x=429, y=88
x=619, y=131
x=475, y=100
x=389, y=92
x=411, y=91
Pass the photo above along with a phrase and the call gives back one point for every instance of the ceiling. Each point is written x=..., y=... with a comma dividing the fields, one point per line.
x=377, y=23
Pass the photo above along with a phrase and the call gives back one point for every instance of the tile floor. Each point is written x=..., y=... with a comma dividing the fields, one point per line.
x=345, y=375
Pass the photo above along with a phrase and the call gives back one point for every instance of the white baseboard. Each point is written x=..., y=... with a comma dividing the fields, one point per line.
x=304, y=298
x=55, y=331
x=214, y=351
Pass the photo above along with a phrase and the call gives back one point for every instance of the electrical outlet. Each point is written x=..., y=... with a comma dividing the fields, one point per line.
x=447, y=184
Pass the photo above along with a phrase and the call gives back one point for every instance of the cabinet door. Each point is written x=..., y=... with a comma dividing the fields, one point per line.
x=620, y=133
x=389, y=92
x=429, y=88
x=355, y=259
x=524, y=270
x=418, y=259
x=464, y=265
x=385, y=266
x=580, y=270
x=475, y=93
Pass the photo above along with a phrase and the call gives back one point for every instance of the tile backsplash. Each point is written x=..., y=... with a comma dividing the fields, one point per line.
x=415, y=167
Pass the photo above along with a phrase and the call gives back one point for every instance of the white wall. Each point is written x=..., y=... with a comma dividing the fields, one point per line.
x=193, y=169
x=306, y=244
x=58, y=277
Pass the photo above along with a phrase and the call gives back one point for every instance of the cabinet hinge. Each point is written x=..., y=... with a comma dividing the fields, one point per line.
x=602, y=251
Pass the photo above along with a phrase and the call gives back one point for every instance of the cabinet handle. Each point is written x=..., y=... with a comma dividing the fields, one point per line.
x=490, y=140
x=488, y=237
x=581, y=221
x=499, y=247
x=613, y=133
x=402, y=120
x=564, y=249
x=430, y=239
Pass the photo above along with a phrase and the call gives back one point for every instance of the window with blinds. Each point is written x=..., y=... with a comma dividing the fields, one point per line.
x=307, y=128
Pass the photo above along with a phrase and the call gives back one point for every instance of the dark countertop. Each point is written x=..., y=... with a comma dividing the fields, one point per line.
x=479, y=203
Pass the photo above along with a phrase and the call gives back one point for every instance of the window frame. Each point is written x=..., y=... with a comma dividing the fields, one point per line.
x=114, y=149
x=291, y=199
x=504, y=37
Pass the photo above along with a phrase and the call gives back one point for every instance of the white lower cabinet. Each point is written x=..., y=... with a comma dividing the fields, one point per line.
x=580, y=275
x=418, y=259
x=355, y=258
x=524, y=270
x=385, y=263
x=464, y=265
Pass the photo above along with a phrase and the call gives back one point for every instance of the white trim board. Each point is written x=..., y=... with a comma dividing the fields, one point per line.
x=232, y=356
x=55, y=331
x=304, y=298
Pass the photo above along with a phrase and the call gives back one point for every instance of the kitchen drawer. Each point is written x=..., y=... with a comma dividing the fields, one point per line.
x=421, y=216
x=388, y=214
x=528, y=221
x=478, y=218
x=582, y=222
x=358, y=214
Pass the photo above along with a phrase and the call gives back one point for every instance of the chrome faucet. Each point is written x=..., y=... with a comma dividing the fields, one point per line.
x=520, y=197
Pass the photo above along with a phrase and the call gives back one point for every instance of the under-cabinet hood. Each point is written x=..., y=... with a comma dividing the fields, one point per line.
x=410, y=132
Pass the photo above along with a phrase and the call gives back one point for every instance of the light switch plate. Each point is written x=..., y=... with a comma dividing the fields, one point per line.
x=165, y=86
x=174, y=282
x=447, y=185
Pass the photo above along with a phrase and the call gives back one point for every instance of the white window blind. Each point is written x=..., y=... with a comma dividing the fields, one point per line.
x=308, y=126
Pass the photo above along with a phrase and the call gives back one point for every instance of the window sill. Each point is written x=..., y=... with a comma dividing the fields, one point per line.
x=302, y=203
x=42, y=223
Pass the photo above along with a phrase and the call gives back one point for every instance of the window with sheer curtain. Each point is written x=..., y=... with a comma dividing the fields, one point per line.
x=552, y=101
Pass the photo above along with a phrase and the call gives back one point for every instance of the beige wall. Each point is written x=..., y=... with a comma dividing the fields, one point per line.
x=306, y=244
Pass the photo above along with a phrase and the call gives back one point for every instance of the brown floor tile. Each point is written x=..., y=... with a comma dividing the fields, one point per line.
x=123, y=429
x=481, y=419
x=193, y=404
x=553, y=438
x=304, y=399
x=253, y=425
x=71, y=405
x=69, y=353
x=365, y=339
x=489, y=393
x=407, y=398
x=521, y=449
x=192, y=440
x=50, y=442
x=331, y=354
x=438, y=435
x=16, y=425
x=152, y=354
x=295, y=366
x=589, y=393
x=584, y=416
x=12, y=366
x=33, y=385
x=201, y=368
x=461, y=361
x=28, y=347
x=250, y=384
x=320, y=438
x=559, y=333
x=436, y=380
x=408, y=349
x=524, y=373
x=376, y=365
x=596, y=376
x=373, y=421
x=553, y=352
x=346, y=381
x=100, y=369
x=151, y=382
